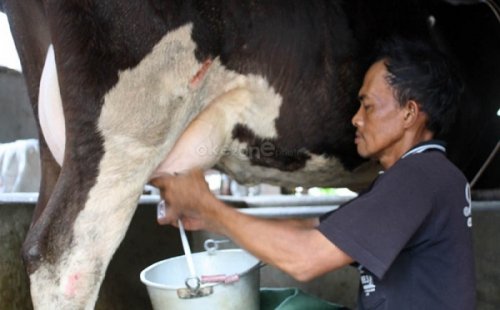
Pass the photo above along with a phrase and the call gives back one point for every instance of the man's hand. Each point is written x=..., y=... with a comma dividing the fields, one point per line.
x=187, y=197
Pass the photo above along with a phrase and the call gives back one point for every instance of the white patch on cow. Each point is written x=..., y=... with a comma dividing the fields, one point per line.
x=50, y=111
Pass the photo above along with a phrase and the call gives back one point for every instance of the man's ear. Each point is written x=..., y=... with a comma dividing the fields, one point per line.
x=412, y=113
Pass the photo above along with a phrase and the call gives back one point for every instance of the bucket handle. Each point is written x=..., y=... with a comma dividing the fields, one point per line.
x=211, y=245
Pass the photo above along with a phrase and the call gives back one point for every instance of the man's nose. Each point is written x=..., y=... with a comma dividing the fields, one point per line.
x=356, y=119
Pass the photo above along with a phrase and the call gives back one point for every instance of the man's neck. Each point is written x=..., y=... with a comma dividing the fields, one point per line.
x=388, y=159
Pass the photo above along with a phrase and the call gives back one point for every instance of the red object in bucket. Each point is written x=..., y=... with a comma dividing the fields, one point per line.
x=220, y=278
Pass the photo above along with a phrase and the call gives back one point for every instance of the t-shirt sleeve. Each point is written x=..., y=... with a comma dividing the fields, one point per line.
x=376, y=226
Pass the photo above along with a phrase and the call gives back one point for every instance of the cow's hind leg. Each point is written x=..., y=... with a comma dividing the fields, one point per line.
x=31, y=34
x=77, y=245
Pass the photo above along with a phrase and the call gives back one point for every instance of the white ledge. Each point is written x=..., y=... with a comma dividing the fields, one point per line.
x=271, y=206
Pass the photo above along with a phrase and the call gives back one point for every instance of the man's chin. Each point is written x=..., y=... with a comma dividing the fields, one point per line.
x=363, y=153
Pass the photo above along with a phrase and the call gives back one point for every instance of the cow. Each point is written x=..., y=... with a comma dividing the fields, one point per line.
x=262, y=90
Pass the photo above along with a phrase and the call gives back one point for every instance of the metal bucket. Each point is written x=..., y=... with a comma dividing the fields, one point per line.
x=236, y=271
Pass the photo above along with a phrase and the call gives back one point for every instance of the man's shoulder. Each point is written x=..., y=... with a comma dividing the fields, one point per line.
x=434, y=163
x=424, y=169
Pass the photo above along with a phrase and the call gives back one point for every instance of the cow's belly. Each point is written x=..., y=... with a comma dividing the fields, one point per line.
x=319, y=171
x=224, y=99
x=208, y=142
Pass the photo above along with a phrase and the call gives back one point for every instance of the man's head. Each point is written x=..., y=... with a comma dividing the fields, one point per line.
x=421, y=73
x=408, y=96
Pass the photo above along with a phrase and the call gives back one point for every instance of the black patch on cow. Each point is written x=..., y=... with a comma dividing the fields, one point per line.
x=267, y=152
x=309, y=54
x=313, y=53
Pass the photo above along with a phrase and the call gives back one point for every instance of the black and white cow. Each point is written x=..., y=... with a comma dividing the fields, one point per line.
x=263, y=90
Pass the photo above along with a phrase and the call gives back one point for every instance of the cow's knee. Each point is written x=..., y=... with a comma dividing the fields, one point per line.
x=34, y=249
x=32, y=255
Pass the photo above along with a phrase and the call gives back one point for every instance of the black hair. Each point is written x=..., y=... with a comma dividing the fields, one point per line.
x=420, y=72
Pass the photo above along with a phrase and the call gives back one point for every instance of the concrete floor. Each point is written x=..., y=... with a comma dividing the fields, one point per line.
x=146, y=243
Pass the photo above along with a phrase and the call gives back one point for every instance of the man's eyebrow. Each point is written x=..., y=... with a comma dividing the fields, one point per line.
x=361, y=98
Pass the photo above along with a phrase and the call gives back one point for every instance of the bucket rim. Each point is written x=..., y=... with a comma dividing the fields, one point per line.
x=149, y=283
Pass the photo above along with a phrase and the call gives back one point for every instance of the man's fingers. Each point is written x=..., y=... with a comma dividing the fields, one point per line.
x=165, y=214
x=169, y=219
x=161, y=181
x=192, y=223
x=182, y=194
x=161, y=209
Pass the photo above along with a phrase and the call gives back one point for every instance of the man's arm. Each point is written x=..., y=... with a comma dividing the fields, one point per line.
x=301, y=251
x=294, y=246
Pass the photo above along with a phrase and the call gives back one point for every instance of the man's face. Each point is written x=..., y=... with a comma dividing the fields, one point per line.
x=379, y=120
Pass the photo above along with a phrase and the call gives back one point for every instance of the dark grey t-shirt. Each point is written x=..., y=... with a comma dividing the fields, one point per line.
x=411, y=235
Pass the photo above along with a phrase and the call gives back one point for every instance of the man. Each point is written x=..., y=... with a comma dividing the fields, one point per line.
x=409, y=233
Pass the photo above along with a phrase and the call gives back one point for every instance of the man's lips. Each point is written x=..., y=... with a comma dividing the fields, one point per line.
x=357, y=137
